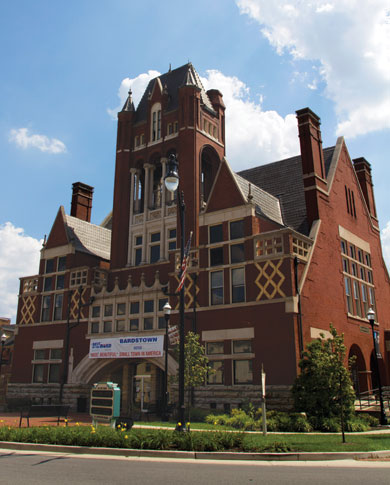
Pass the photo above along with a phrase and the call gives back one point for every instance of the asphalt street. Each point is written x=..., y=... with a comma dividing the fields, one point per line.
x=19, y=468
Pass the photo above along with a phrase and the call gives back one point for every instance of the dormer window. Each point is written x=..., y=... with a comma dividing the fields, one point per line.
x=156, y=122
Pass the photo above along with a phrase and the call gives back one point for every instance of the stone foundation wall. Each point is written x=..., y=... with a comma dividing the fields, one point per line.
x=205, y=397
x=74, y=395
x=222, y=397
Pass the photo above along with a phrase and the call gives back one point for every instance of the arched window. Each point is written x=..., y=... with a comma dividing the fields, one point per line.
x=155, y=122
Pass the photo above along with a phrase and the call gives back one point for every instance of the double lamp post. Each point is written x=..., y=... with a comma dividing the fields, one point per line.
x=172, y=183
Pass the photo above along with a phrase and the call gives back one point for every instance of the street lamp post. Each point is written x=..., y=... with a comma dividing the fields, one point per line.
x=171, y=183
x=3, y=339
x=167, y=313
x=371, y=319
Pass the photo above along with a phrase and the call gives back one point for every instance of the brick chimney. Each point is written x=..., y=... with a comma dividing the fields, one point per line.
x=363, y=172
x=313, y=166
x=81, y=206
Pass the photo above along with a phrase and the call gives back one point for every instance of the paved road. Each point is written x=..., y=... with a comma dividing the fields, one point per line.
x=32, y=468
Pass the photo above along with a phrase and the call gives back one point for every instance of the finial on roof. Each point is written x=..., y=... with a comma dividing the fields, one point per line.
x=129, y=105
x=170, y=67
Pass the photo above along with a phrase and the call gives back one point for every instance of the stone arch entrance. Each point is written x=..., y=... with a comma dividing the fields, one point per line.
x=140, y=380
x=359, y=373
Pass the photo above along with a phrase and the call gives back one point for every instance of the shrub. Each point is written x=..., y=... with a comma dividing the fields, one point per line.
x=217, y=419
x=198, y=415
x=240, y=420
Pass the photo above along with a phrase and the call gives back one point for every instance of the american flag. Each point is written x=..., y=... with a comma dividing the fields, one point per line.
x=184, y=264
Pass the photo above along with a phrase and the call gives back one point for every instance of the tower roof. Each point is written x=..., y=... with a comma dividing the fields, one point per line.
x=172, y=80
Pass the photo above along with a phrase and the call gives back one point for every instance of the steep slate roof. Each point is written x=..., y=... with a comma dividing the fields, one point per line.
x=88, y=237
x=283, y=179
x=266, y=204
x=172, y=81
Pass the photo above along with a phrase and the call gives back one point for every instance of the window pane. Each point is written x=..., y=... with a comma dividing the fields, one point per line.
x=49, y=265
x=108, y=310
x=95, y=311
x=54, y=373
x=216, y=234
x=121, y=309
x=238, y=285
x=155, y=237
x=38, y=373
x=148, y=306
x=236, y=253
x=55, y=354
x=243, y=371
x=47, y=285
x=138, y=256
x=215, y=377
x=107, y=327
x=216, y=256
x=242, y=346
x=134, y=324
x=95, y=327
x=62, y=263
x=172, y=233
x=120, y=325
x=46, y=308
x=134, y=307
x=58, y=307
x=40, y=354
x=148, y=323
x=161, y=322
x=138, y=240
x=154, y=253
x=215, y=348
x=60, y=285
x=161, y=304
x=236, y=229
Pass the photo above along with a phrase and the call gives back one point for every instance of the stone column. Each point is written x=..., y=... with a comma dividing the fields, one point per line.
x=148, y=183
x=133, y=172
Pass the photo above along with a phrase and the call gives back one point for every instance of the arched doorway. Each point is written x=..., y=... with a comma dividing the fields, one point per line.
x=209, y=163
x=359, y=373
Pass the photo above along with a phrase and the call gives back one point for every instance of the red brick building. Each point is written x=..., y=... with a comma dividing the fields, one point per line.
x=309, y=218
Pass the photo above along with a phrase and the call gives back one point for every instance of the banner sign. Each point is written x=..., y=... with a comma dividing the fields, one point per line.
x=173, y=335
x=126, y=347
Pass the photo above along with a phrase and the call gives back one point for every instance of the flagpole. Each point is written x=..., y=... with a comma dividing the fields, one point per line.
x=181, y=421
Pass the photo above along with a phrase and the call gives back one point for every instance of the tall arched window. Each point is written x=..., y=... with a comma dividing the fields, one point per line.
x=155, y=122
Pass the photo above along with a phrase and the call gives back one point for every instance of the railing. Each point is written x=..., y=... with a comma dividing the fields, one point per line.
x=370, y=399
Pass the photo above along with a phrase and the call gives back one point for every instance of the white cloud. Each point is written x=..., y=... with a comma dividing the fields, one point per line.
x=385, y=236
x=137, y=85
x=23, y=139
x=253, y=136
x=19, y=256
x=349, y=38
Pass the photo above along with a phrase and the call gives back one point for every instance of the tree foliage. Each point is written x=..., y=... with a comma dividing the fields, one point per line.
x=196, y=364
x=324, y=388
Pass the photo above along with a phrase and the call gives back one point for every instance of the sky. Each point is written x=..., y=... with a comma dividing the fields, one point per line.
x=66, y=68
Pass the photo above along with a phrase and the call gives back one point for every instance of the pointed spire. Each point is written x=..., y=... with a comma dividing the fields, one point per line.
x=129, y=105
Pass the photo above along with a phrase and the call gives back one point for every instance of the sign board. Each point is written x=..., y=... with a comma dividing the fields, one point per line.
x=126, y=347
x=105, y=401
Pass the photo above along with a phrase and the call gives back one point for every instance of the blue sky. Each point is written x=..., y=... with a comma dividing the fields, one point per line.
x=66, y=67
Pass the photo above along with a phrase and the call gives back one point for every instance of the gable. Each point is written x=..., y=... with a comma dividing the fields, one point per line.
x=225, y=192
x=58, y=235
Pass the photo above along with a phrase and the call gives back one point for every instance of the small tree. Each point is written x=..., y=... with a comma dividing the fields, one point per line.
x=196, y=365
x=324, y=387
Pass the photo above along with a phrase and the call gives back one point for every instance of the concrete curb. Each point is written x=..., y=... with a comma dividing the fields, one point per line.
x=195, y=455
